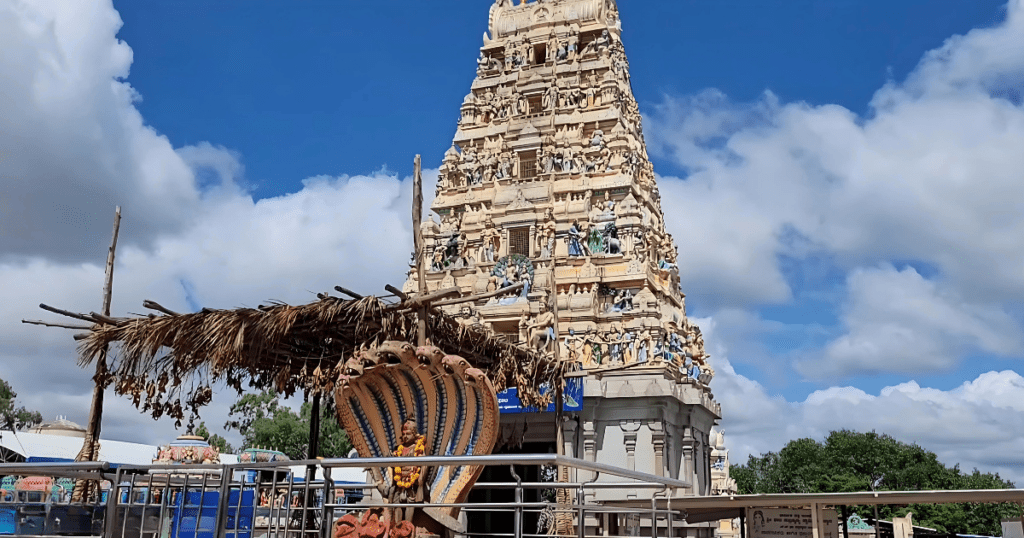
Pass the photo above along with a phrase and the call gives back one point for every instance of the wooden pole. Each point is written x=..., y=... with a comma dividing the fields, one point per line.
x=90, y=448
x=417, y=235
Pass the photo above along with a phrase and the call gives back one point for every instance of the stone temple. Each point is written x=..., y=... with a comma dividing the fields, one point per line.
x=548, y=183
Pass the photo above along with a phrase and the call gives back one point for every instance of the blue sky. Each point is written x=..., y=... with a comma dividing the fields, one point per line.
x=842, y=179
x=348, y=87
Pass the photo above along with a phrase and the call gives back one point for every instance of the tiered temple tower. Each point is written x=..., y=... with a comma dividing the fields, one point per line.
x=548, y=183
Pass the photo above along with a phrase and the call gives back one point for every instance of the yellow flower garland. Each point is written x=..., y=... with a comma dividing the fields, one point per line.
x=419, y=449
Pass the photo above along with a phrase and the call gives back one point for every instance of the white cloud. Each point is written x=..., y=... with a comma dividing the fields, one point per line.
x=932, y=174
x=74, y=145
x=72, y=140
x=977, y=425
x=897, y=321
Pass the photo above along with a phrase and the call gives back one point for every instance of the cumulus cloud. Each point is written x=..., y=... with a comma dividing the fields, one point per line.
x=897, y=321
x=73, y=141
x=73, y=145
x=237, y=252
x=931, y=175
x=976, y=425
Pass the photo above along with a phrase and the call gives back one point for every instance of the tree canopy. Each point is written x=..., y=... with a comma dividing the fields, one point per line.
x=850, y=461
x=214, y=439
x=265, y=422
x=13, y=417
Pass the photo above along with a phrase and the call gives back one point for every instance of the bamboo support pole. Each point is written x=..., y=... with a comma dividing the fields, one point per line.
x=418, y=256
x=90, y=447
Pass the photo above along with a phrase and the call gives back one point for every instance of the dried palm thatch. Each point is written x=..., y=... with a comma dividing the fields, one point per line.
x=169, y=363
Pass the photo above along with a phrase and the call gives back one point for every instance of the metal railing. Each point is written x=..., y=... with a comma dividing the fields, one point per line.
x=300, y=499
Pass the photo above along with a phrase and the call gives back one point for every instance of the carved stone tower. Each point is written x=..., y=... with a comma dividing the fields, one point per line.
x=548, y=184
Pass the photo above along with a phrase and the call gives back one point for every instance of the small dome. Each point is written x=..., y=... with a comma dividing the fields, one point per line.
x=60, y=426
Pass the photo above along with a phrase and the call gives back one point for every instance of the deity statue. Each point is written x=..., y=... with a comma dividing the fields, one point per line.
x=645, y=346
x=577, y=240
x=524, y=328
x=463, y=255
x=614, y=339
x=491, y=241
x=552, y=48
x=573, y=346
x=550, y=99
x=542, y=332
x=408, y=481
x=546, y=235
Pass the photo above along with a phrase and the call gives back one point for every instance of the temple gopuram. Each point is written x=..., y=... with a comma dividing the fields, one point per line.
x=548, y=183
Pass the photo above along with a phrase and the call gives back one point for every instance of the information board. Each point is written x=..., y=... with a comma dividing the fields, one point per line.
x=789, y=523
x=572, y=398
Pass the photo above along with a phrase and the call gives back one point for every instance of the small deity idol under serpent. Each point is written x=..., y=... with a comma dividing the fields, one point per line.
x=408, y=481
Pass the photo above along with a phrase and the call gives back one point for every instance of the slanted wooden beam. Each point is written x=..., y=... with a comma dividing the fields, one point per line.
x=153, y=305
x=58, y=325
x=397, y=292
x=65, y=313
x=426, y=300
x=488, y=295
x=351, y=294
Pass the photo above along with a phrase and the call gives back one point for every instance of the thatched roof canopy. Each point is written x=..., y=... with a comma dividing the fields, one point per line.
x=168, y=363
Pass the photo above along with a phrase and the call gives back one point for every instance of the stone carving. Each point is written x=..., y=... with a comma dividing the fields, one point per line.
x=491, y=241
x=512, y=270
x=546, y=235
x=577, y=239
x=542, y=333
x=588, y=154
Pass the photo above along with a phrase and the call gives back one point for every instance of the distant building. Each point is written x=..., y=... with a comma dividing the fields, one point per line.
x=60, y=440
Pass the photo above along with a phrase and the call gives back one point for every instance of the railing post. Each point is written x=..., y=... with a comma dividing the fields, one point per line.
x=326, y=510
x=224, y=494
x=111, y=509
x=518, y=531
x=581, y=530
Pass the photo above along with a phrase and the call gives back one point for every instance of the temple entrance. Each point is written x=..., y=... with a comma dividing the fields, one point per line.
x=501, y=522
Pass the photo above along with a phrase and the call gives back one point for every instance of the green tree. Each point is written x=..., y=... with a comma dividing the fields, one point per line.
x=851, y=461
x=265, y=422
x=215, y=440
x=13, y=417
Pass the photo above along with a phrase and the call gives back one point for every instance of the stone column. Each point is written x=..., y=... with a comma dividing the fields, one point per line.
x=689, y=470
x=658, y=440
x=589, y=445
x=534, y=247
x=629, y=429
x=503, y=251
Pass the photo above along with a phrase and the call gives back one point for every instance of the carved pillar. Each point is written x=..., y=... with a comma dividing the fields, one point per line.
x=503, y=251
x=534, y=253
x=629, y=429
x=689, y=470
x=589, y=444
x=658, y=440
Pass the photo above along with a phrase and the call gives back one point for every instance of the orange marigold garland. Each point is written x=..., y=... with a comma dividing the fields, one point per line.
x=419, y=449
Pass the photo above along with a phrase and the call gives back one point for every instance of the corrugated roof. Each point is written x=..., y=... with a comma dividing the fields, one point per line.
x=40, y=445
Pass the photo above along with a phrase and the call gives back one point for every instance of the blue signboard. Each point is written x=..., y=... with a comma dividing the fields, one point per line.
x=572, y=398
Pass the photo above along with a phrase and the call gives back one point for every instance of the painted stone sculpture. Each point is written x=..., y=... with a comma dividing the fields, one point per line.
x=396, y=400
